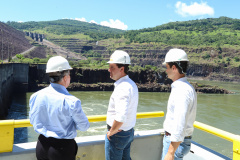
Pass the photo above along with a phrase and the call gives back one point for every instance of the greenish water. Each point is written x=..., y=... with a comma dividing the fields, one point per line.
x=220, y=111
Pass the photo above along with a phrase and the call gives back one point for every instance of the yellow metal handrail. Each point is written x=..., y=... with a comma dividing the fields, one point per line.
x=7, y=127
x=7, y=131
x=222, y=134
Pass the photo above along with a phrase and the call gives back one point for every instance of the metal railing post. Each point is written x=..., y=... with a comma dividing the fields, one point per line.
x=6, y=135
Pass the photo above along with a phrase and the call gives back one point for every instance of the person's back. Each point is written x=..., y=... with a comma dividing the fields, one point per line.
x=54, y=112
x=56, y=115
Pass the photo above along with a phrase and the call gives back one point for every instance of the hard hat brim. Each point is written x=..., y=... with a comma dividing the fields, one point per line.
x=58, y=70
x=117, y=62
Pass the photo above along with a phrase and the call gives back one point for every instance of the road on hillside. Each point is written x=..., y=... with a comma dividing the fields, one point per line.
x=62, y=51
x=27, y=51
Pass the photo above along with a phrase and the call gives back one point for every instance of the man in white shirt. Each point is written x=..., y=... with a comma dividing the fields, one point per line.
x=122, y=109
x=181, y=109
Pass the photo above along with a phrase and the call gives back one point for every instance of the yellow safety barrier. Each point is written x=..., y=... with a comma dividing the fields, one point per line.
x=7, y=131
x=7, y=127
x=222, y=134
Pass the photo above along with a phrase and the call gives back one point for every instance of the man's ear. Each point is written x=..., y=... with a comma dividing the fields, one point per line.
x=122, y=69
x=174, y=67
x=65, y=78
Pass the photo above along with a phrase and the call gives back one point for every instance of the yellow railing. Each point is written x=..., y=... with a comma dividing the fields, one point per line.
x=235, y=139
x=7, y=131
x=7, y=127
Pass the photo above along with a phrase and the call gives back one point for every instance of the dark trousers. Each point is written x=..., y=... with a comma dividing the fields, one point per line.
x=56, y=149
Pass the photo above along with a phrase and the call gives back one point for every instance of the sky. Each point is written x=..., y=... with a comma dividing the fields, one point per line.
x=121, y=14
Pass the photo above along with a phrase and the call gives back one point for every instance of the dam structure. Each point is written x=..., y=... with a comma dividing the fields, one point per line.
x=13, y=78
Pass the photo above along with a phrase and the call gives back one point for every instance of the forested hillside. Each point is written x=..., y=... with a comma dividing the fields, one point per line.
x=68, y=27
x=209, y=32
x=213, y=44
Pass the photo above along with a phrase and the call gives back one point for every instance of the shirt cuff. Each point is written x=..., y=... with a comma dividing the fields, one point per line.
x=120, y=118
x=176, y=138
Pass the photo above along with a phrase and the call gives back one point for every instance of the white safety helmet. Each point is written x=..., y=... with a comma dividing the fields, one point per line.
x=174, y=55
x=57, y=64
x=119, y=57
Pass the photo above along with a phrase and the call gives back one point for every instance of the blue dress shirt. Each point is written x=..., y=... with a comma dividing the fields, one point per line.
x=56, y=113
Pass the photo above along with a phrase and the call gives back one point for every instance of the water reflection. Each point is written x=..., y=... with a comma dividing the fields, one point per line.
x=18, y=110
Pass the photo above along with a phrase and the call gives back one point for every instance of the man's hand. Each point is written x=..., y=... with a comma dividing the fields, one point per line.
x=108, y=135
x=114, y=129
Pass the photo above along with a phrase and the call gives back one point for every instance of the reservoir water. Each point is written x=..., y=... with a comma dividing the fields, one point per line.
x=217, y=110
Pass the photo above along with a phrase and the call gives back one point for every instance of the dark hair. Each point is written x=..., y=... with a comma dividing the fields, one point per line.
x=126, y=67
x=55, y=77
x=182, y=66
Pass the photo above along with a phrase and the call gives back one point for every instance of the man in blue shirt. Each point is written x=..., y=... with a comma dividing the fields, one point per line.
x=56, y=115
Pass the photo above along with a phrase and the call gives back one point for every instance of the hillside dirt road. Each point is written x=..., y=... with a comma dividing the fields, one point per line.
x=62, y=51
x=29, y=50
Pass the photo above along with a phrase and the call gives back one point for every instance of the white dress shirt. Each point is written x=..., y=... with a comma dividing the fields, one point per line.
x=181, y=110
x=123, y=103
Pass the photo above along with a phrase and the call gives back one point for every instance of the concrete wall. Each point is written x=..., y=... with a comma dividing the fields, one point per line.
x=20, y=76
x=6, y=88
x=13, y=79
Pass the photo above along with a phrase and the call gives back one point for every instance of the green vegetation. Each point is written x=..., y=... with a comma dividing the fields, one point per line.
x=214, y=32
x=68, y=27
x=212, y=41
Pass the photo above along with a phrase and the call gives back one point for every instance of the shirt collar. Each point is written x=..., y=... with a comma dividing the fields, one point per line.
x=183, y=79
x=120, y=80
x=60, y=88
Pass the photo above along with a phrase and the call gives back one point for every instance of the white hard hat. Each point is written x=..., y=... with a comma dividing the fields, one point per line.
x=119, y=57
x=174, y=55
x=56, y=64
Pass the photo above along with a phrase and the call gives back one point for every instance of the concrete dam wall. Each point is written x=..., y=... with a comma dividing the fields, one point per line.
x=13, y=78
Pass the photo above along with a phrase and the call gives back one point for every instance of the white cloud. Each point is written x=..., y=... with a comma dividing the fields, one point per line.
x=114, y=24
x=81, y=19
x=92, y=21
x=20, y=21
x=111, y=23
x=195, y=9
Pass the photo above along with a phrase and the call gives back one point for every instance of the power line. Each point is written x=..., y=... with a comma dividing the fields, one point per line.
x=2, y=44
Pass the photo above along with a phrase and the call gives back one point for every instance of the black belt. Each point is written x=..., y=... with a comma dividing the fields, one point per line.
x=169, y=134
x=108, y=127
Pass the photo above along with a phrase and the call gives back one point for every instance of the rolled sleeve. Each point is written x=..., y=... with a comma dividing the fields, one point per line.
x=79, y=117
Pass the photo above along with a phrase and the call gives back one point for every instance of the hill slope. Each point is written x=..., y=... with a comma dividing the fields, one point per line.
x=66, y=27
x=213, y=45
x=12, y=40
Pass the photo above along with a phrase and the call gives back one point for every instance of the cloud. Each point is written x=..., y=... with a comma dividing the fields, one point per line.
x=195, y=9
x=92, y=21
x=114, y=24
x=111, y=23
x=20, y=21
x=81, y=19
